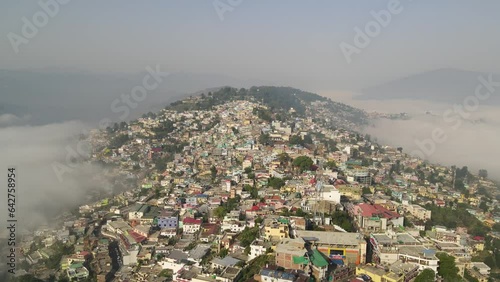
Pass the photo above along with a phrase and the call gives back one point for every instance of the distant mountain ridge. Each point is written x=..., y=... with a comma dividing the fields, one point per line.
x=55, y=95
x=279, y=99
x=443, y=85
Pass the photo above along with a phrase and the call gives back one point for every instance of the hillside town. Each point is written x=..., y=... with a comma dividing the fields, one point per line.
x=248, y=189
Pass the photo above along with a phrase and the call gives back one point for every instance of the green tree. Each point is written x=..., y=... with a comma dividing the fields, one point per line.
x=264, y=138
x=254, y=193
x=191, y=246
x=303, y=163
x=247, y=236
x=258, y=220
x=284, y=158
x=223, y=253
x=276, y=182
x=469, y=277
x=447, y=268
x=220, y=212
x=342, y=219
x=331, y=164
x=255, y=266
x=160, y=164
x=27, y=278
x=168, y=273
x=483, y=205
x=366, y=190
x=296, y=140
x=427, y=275
x=213, y=172
x=308, y=139
x=119, y=141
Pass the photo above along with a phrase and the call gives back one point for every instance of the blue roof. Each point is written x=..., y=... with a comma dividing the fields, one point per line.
x=338, y=261
x=277, y=274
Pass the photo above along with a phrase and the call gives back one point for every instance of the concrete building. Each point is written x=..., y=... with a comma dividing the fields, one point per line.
x=375, y=218
x=346, y=246
x=191, y=225
x=276, y=230
x=330, y=193
x=258, y=248
x=419, y=212
x=391, y=247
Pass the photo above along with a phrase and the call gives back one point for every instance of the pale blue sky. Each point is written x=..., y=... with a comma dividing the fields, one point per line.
x=289, y=42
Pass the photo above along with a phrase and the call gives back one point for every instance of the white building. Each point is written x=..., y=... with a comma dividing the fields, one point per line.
x=258, y=248
x=390, y=247
x=191, y=225
x=419, y=212
x=330, y=193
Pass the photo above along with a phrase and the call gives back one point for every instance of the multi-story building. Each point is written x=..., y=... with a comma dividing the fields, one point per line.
x=191, y=225
x=168, y=221
x=390, y=247
x=276, y=230
x=77, y=272
x=376, y=218
x=258, y=248
x=346, y=246
x=145, y=214
x=419, y=212
x=330, y=193
x=399, y=272
x=286, y=250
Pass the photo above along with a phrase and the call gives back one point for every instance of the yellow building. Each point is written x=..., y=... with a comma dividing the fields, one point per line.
x=379, y=274
x=288, y=189
x=489, y=222
x=349, y=191
x=276, y=230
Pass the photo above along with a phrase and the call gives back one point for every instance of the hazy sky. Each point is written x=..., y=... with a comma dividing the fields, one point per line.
x=289, y=42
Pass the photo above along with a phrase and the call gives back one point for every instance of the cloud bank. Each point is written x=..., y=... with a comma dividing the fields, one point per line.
x=32, y=150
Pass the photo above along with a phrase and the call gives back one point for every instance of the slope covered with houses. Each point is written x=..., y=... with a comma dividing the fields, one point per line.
x=268, y=184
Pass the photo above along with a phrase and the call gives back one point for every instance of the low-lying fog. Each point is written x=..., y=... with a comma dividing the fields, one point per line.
x=461, y=137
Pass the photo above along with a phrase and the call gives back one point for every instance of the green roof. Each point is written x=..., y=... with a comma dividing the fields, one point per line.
x=283, y=220
x=300, y=260
x=76, y=265
x=318, y=259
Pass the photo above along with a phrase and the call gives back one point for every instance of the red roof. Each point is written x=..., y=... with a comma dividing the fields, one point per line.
x=137, y=237
x=254, y=208
x=376, y=210
x=190, y=220
x=84, y=253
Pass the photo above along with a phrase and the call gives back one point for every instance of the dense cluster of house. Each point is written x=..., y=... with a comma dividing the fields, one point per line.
x=232, y=194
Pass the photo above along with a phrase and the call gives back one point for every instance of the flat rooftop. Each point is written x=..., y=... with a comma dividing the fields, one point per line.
x=331, y=237
x=399, y=239
x=418, y=251
x=291, y=246
x=401, y=267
